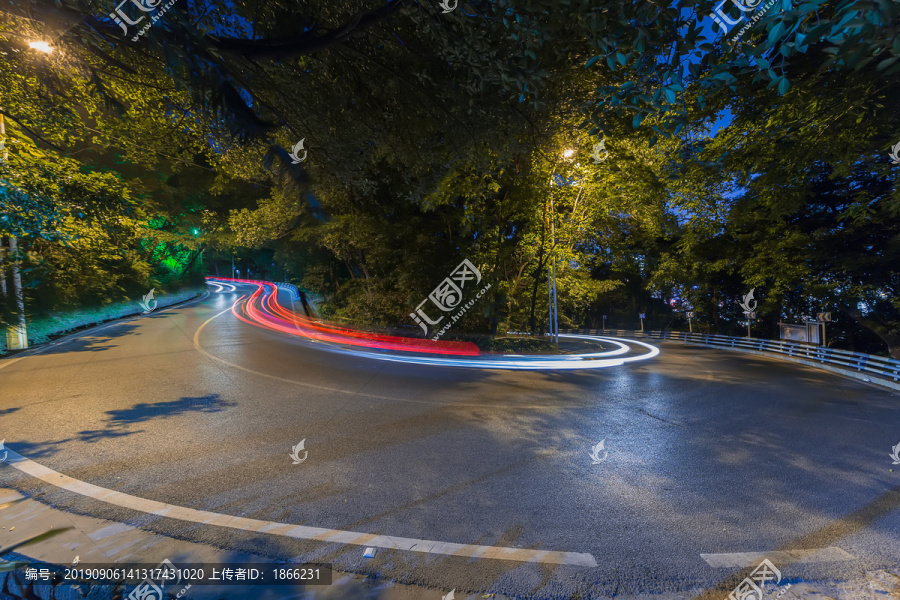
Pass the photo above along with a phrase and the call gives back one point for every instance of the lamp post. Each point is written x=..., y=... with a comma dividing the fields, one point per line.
x=551, y=282
x=16, y=335
x=554, y=317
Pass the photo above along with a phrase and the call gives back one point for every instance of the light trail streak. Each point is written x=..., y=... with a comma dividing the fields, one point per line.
x=262, y=309
x=221, y=286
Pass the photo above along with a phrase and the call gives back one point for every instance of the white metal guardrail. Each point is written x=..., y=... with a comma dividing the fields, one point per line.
x=867, y=367
x=290, y=288
x=312, y=300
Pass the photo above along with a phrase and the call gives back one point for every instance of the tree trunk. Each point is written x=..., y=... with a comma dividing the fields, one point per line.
x=715, y=312
x=537, y=280
x=17, y=336
x=540, y=269
x=879, y=328
x=2, y=272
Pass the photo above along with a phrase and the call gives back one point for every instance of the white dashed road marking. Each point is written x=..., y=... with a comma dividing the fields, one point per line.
x=751, y=559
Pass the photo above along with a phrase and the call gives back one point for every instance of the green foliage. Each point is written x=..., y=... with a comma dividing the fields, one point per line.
x=514, y=345
x=434, y=138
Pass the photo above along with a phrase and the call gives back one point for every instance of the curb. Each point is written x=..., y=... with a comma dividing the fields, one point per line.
x=38, y=348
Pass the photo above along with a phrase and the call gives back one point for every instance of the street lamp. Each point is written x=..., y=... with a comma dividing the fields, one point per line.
x=41, y=46
x=16, y=334
x=551, y=282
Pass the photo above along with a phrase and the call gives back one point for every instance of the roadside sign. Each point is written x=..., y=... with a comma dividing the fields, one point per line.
x=642, y=316
x=824, y=317
x=604, y=317
x=690, y=314
x=751, y=315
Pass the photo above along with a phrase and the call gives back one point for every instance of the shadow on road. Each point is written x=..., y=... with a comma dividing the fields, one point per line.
x=146, y=411
x=118, y=421
x=92, y=342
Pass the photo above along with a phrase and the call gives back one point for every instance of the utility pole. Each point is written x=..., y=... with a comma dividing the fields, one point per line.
x=16, y=335
x=555, y=312
x=554, y=322
x=550, y=302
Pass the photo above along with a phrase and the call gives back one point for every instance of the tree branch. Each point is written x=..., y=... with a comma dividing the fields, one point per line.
x=282, y=48
x=30, y=131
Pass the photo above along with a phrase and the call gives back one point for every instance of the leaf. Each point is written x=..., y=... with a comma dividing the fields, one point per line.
x=783, y=85
x=776, y=32
x=591, y=62
x=636, y=122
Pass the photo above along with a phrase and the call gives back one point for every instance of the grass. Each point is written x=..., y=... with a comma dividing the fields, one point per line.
x=514, y=344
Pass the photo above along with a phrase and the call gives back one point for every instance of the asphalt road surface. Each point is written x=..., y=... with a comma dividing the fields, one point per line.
x=706, y=452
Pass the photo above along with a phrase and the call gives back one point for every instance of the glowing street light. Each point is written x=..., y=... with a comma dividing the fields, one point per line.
x=568, y=153
x=41, y=47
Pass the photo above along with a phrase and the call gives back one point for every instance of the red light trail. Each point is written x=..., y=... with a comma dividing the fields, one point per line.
x=262, y=309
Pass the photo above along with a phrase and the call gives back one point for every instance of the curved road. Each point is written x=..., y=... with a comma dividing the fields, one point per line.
x=707, y=452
